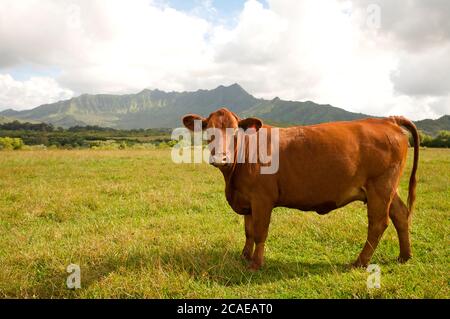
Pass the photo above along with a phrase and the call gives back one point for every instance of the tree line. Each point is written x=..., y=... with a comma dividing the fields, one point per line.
x=442, y=139
x=78, y=136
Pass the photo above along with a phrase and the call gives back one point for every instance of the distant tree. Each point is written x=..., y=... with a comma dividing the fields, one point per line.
x=423, y=137
x=41, y=139
x=87, y=128
x=26, y=126
x=442, y=139
x=10, y=143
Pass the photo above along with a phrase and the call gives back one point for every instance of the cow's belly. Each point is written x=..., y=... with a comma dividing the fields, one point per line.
x=318, y=200
x=323, y=191
x=325, y=203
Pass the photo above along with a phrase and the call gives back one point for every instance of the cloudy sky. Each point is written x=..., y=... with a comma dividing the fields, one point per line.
x=378, y=57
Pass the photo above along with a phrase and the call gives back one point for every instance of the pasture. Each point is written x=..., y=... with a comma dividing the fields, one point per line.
x=141, y=226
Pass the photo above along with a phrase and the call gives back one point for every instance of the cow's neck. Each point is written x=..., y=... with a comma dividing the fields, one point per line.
x=228, y=173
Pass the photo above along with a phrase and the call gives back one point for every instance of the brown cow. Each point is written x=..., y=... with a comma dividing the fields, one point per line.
x=321, y=168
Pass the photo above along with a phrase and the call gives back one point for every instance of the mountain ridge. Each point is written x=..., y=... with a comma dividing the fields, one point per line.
x=160, y=109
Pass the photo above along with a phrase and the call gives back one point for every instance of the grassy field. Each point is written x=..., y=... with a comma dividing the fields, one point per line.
x=140, y=226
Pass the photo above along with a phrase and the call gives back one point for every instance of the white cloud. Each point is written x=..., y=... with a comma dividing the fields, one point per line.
x=424, y=74
x=413, y=25
x=255, y=39
x=320, y=50
x=106, y=46
x=419, y=107
x=313, y=52
x=30, y=93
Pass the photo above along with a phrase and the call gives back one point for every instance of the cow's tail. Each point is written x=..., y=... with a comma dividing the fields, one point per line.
x=401, y=121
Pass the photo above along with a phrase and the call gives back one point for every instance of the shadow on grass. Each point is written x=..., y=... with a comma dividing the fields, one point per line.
x=218, y=265
x=221, y=265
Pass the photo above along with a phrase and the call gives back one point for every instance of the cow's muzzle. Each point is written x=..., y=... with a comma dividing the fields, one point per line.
x=221, y=160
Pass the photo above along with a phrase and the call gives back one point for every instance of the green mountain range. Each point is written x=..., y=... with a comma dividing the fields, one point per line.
x=159, y=109
x=432, y=127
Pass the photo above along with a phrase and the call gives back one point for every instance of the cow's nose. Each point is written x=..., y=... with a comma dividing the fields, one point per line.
x=220, y=160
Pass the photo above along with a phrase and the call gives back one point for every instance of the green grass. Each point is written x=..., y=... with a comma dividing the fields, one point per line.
x=140, y=226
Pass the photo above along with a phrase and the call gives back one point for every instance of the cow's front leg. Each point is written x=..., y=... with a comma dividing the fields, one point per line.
x=260, y=220
x=247, y=252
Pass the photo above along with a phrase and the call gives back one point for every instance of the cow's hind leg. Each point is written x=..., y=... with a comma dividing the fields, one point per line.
x=399, y=214
x=247, y=252
x=379, y=197
x=260, y=220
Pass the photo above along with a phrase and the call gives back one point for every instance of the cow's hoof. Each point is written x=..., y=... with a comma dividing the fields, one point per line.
x=253, y=267
x=403, y=259
x=246, y=257
x=358, y=264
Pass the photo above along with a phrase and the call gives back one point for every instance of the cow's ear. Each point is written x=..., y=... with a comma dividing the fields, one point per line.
x=250, y=122
x=188, y=121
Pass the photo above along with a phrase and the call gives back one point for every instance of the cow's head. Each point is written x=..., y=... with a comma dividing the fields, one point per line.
x=222, y=120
